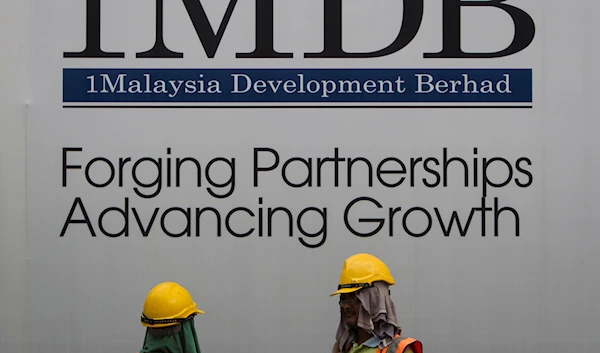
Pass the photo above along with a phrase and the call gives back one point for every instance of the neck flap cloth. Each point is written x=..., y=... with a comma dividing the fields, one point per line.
x=377, y=316
x=181, y=338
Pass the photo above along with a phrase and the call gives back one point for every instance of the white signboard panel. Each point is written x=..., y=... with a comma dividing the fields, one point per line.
x=244, y=149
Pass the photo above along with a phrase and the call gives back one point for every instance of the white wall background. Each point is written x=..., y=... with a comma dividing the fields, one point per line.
x=539, y=293
x=14, y=39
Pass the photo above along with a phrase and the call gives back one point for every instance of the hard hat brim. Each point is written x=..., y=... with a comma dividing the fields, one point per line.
x=196, y=310
x=344, y=290
x=193, y=312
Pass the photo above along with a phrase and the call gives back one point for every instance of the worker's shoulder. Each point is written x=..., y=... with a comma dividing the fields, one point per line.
x=407, y=345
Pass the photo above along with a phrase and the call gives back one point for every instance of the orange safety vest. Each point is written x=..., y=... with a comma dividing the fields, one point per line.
x=399, y=345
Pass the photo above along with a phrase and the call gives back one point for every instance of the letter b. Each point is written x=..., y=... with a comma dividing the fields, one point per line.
x=524, y=30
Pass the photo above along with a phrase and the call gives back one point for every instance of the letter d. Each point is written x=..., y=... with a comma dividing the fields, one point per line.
x=236, y=86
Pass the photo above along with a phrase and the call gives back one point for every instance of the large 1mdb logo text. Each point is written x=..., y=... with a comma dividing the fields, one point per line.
x=524, y=31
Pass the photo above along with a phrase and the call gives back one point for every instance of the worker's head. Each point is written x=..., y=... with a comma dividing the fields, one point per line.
x=168, y=315
x=360, y=273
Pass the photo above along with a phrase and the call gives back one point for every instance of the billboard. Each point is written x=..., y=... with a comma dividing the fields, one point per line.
x=244, y=149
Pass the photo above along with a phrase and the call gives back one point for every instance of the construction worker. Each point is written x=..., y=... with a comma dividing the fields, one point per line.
x=368, y=322
x=168, y=316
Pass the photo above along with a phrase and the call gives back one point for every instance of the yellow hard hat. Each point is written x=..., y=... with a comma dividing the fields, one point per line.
x=168, y=304
x=360, y=271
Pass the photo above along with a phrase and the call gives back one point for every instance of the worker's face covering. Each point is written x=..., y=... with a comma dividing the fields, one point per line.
x=176, y=339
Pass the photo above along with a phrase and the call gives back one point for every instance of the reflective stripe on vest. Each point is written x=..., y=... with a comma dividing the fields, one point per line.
x=399, y=344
